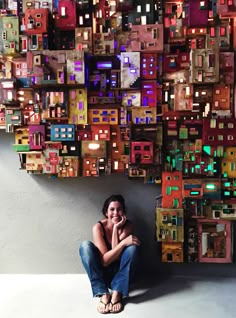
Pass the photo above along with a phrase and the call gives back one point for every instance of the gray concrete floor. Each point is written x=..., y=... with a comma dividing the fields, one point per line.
x=69, y=296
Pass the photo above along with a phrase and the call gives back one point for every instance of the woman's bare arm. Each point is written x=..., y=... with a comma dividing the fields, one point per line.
x=110, y=256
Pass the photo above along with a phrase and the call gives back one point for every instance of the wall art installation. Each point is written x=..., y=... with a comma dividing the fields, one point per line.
x=144, y=88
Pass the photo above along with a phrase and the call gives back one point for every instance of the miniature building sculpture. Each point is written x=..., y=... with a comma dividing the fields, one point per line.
x=144, y=88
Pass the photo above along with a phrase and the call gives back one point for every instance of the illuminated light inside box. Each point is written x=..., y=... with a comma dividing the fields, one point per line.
x=212, y=31
x=94, y=146
x=81, y=20
x=210, y=186
x=126, y=59
x=222, y=31
x=86, y=36
x=7, y=85
x=104, y=65
x=116, y=165
x=9, y=96
x=78, y=66
x=132, y=71
x=194, y=193
x=147, y=86
x=63, y=11
x=15, y=117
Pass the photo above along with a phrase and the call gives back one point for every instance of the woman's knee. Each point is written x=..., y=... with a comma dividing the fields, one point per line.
x=132, y=251
x=86, y=248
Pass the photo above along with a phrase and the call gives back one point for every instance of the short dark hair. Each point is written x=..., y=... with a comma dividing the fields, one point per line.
x=113, y=198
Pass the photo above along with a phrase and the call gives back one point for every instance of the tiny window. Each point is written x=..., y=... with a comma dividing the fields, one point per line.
x=213, y=123
x=164, y=218
x=221, y=125
x=155, y=33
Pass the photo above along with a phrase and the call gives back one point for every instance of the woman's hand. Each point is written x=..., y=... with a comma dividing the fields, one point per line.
x=130, y=240
x=121, y=223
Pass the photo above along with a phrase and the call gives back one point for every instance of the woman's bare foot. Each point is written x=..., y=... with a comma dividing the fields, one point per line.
x=116, y=304
x=104, y=304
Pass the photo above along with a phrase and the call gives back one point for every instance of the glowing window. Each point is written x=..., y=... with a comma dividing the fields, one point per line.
x=213, y=123
x=221, y=125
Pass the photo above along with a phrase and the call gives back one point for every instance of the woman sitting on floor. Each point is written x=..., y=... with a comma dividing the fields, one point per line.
x=111, y=259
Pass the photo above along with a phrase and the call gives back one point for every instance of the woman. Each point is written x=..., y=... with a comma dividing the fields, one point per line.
x=111, y=258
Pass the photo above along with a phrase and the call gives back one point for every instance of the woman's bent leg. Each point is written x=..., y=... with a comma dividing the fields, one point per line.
x=126, y=271
x=90, y=258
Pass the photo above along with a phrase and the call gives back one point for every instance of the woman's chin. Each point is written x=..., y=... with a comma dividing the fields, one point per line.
x=115, y=220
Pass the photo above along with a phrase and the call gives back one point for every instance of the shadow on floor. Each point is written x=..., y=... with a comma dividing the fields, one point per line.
x=150, y=288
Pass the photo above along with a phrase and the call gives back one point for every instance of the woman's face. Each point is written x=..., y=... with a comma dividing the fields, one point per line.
x=115, y=212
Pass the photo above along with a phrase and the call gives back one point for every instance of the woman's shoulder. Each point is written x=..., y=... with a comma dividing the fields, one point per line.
x=99, y=225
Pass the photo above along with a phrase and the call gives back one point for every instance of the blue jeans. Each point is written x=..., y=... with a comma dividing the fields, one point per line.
x=116, y=276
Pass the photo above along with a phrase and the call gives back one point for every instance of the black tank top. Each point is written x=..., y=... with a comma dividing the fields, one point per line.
x=108, y=244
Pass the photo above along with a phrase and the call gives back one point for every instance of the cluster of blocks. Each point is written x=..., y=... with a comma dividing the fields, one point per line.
x=142, y=88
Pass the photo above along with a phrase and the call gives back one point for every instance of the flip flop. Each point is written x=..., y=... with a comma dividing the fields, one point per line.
x=119, y=310
x=105, y=306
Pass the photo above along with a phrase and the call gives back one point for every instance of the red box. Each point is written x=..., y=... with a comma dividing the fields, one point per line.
x=141, y=152
x=172, y=189
x=66, y=17
x=214, y=241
